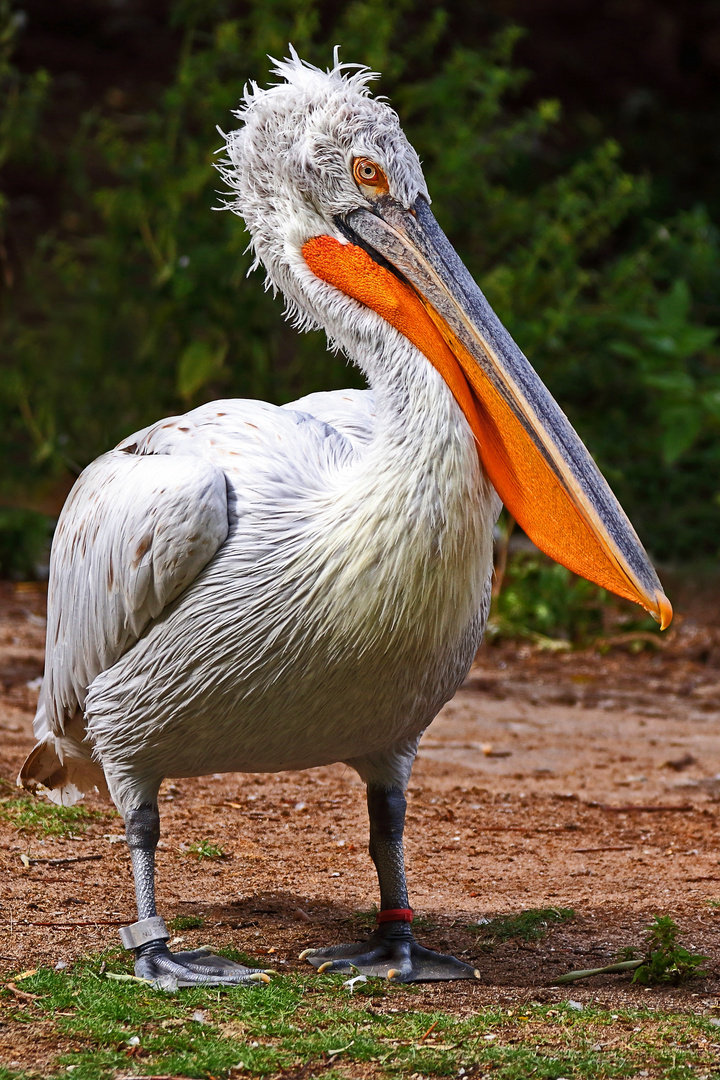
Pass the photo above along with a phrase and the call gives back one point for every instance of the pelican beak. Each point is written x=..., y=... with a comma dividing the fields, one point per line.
x=401, y=264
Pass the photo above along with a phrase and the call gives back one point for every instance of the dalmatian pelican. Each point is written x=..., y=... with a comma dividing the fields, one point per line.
x=252, y=588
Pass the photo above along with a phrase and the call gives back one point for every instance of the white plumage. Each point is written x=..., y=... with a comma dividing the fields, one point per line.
x=345, y=570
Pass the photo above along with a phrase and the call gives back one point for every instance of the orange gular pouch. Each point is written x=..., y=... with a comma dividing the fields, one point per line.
x=549, y=510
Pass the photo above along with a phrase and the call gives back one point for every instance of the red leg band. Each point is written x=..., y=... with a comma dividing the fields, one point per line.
x=395, y=915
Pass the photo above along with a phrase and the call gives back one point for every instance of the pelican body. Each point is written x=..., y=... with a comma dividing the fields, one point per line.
x=251, y=588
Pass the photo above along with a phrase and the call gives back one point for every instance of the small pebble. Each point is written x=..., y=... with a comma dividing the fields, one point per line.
x=575, y=1005
x=61, y=965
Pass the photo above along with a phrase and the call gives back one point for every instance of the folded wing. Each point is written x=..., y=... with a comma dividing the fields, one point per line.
x=134, y=533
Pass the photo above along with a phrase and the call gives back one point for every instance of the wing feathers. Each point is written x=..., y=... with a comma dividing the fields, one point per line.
x=135, y=531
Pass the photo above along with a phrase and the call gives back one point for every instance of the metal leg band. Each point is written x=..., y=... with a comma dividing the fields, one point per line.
x=140, y=933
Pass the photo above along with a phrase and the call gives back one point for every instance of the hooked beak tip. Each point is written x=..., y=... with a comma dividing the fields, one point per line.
x=661, y=610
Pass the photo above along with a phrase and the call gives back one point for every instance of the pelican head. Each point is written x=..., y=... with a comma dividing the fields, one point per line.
x=293, y=171
x=338, y=210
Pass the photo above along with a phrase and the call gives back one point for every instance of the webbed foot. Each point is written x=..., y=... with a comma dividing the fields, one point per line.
x=153, y=960
x=392, y=953
x=200, y=967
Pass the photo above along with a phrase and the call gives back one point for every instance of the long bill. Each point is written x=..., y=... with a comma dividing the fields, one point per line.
x=401, y=264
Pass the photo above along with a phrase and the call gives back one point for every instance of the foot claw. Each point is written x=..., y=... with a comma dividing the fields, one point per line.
x=325, y=966
x=305, y=953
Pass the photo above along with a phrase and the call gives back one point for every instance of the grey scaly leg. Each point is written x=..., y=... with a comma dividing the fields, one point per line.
x=148, y=936
x=142, y=832
x=391, y=950
x=386, y=809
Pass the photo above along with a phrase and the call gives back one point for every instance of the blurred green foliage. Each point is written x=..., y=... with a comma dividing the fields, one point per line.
x=135, y=305
x=543, y=602
x=546, y=604
x=24, y=542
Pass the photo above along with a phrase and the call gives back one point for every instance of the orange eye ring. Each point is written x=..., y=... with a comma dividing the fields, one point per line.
x=369, y=175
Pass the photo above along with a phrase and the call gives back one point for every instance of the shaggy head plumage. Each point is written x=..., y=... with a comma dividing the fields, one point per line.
x=290, y=165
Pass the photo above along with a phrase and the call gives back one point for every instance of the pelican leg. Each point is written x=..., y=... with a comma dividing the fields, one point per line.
x=391, y=950
x=148, y=937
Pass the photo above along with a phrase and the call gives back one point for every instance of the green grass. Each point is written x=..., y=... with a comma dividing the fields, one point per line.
x=40, y=817
x=297, y=1022
x=204, y=849
x=187, y=922
x=530, y=925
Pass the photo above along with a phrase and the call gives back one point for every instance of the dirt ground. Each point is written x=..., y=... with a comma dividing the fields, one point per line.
x=575, y=780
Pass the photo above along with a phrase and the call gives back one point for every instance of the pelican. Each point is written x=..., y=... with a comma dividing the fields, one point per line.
x=252, y=588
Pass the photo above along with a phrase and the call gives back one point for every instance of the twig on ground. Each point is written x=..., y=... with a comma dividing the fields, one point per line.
x=519, y=828
x=639, y=808
x=21, y=994
x=120, y=977
x=608, y=847
x=647, y=637
x=60, y=862
x=431, y=1028
x=70, y=925
x=609, y=969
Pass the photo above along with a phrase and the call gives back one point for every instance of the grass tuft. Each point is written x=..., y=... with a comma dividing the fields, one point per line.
x=40, y=817
x=530, y=925
x=187, y=922
x=204, y=849
x=367, y=920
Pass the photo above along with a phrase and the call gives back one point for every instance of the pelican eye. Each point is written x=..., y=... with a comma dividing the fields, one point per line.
x=368, y=174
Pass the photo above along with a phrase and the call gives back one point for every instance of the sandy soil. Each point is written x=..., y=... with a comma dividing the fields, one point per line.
x=572, y=780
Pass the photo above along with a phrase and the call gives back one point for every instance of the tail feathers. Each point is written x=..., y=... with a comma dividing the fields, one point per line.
x=61, y=769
